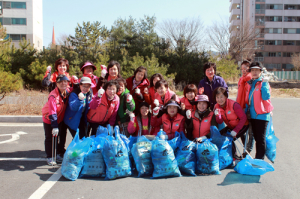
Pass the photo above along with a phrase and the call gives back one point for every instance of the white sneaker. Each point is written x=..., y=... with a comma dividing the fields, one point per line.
x=50, y=162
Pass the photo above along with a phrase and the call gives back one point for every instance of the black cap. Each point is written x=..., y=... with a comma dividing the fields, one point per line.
x=143, y=104
x=255, y=65
x=61, y=78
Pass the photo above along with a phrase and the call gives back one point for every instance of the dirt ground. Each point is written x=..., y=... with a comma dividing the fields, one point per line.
x=31, y=102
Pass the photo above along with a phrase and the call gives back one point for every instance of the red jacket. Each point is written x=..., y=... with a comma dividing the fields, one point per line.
x=261, y=106
x=241, y=95
x=168, y=96
x=169, y=125
x=187, y=104
x=201, y=127
x=101, y=112
x=134, y=127
x=228, y=115
x=54, y=110
x=144, y=84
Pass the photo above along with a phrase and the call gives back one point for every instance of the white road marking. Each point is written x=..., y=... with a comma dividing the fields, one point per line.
x=23, y=159
x=44, y=188
x=22, y=124
x=14, y=136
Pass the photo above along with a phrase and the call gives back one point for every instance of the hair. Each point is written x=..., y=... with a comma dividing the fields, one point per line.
x=246, y=62
x=218, y=91
x=111, y=83
x=60, y=61
x=119, y=80
x=140, y=69
x=110, y=65
x=208, y=65
x=154, y=76
x=190, y=88
x=82, y=64
x=160, y=83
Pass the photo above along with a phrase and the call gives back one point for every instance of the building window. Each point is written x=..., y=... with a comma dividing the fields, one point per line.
x=287, y=66
x=290, y=42
x=273, y=30
x=291, y=30
x=238, y=17
x=287, y=54
x=272, y=54
x=291, y=7
x=16, y=37
x=292, y=19
x=274, y=6
x=271, y=66
x=238, y=6
x=14, y=5
x=273, y=42
x=274, y=18
x=260, y=20
x=14, y=21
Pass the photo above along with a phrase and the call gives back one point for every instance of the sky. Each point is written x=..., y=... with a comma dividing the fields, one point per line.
x=65, y=14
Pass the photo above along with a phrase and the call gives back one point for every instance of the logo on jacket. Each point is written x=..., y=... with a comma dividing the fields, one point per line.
x=228, y=112
x=177, y=124
x=205, y=120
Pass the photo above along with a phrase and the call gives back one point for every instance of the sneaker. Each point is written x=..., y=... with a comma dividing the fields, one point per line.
x=59, y=159
x=50, y=162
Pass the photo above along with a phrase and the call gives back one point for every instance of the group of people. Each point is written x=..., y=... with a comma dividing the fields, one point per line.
x=142, y=107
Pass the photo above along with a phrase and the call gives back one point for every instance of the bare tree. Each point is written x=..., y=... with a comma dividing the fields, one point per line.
x=63, y=40
x=296, y=61
x=237, y=41
x=185, y=33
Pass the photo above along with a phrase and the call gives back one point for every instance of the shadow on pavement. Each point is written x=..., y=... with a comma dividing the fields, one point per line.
x=236, y=178
x=24, y=154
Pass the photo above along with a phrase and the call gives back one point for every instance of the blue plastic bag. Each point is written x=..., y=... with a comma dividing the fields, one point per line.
x=207, y=158
x=271, y=141
x=116, y=158
x=174, y=143
x=141, y=152
x=127, y=144
x=74, y=157
x=186, y=156
x=101, y=130
x=163, y=158
x=94, y=165
x=224, y=144
x=249, y=166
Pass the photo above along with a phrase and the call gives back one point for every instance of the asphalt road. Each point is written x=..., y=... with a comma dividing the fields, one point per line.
x=22, y=178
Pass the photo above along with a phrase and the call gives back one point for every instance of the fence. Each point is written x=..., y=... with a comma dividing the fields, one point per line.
x=288, y=75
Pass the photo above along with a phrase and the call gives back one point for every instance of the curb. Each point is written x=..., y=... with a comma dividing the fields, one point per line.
x=21, y=119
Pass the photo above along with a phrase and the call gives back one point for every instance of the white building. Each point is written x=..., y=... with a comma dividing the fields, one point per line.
x=23, y=19
x=278, y=22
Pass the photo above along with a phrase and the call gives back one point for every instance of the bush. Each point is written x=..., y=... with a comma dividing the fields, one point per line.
x=10, y=82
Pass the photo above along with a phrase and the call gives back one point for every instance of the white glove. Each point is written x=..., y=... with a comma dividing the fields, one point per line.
x=81, y=96
x=188, y=114
x=150, y=110
x=132, y=116
x=156, y=102
x=55, y=132
x=129, y=98
x=217, y=111
x=155, y=111
x=233, y=133
x=201, y=139
x=137, y=91
x=265, y=79
x=49, y=68
x=100, y=92
x=163, y=137
x=103, y=71
x=74, y=79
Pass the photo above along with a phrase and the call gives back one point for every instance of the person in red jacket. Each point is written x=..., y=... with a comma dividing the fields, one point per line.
x=88, y=68
x=171, y=121
x=53, y=115
x=199, y=121
x=104, y=107
x=140, y=125
x=112, y=72
x=150, y=95
x=188, y=102
x=61, y=67
x=231, y=113
x=138, y=84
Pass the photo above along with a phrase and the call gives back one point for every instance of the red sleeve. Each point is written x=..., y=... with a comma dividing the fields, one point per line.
x=147, y=98
x=131, y=128
x=241, y=115
x=95, y=102
x=113, y=117
x=181, y=128
x=156, y=121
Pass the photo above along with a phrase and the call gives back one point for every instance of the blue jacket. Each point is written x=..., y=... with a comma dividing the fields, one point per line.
x=265, y=95
x=74, y=109
x=209, y=87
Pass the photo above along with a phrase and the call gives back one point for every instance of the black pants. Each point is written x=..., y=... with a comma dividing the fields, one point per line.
x=259, y=129
x=48, y=140
x=94, y=127
x=82, y=129
x=240, y=134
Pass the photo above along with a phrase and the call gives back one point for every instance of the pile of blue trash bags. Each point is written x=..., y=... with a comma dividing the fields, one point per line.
x=116, y=156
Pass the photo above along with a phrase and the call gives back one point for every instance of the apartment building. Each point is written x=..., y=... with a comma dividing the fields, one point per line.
x=23, y=19
x=277, y=24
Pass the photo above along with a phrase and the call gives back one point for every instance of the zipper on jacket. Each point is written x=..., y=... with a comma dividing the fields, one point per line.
x=105, y=115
